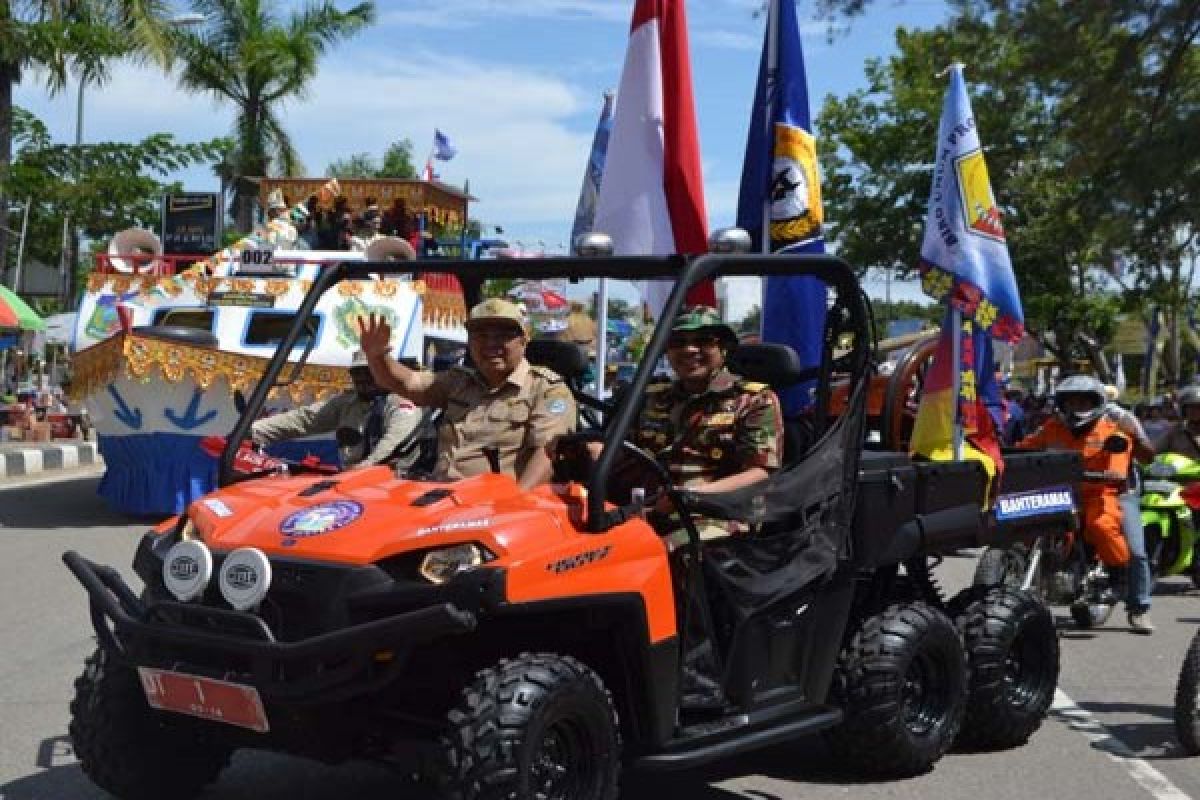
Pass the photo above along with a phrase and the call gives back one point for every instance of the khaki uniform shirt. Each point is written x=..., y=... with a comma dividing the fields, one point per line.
x=401, y=425
x=532, y=407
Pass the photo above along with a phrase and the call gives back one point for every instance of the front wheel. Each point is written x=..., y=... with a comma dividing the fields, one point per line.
x=902, y=684
x=1187, y=700
x=1012, y=649
x=537, y=727
x=1002, y=566
x=131, y=750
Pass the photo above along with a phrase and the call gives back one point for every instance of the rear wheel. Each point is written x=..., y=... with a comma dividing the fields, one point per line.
x=537, y=727
x=902, y=683
x=131, y=750
x=1187, y=700
x=1012, y=649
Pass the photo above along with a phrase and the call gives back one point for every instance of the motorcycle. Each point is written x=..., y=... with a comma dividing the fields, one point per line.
x=1187, y=700
x=1060, y=568
x=1170, y=496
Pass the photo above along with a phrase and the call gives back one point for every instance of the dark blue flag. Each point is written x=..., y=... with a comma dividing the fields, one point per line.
x=781, y=182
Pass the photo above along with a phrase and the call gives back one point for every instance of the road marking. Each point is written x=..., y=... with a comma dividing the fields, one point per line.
x=1146, y=776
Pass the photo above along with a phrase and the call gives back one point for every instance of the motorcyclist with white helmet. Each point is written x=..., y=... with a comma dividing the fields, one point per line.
x=1082, y=425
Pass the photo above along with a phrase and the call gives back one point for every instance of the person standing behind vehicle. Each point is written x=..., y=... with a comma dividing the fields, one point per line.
x=1183, y=437
x=501, y=408
x=372, y=426
x=1137, y=599
x=1081, y=425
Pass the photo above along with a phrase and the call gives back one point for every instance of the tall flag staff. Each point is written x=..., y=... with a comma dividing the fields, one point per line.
x=651, y=200
x=585, y=216
x=965, y=264
x=779, y=202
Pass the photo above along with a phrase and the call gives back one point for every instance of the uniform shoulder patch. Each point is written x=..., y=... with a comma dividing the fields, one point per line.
x=546, y=373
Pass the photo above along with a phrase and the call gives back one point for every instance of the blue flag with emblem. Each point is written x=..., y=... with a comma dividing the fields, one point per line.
x=964, y=256
x=779, y=202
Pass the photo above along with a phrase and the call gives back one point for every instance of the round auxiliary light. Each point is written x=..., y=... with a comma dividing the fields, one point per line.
x=245, y=578
x=187, y=569
x=729, y=240
x=593, y=245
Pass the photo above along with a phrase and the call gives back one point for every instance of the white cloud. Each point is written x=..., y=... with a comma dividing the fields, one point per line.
x=726, y=40
x=469, y=13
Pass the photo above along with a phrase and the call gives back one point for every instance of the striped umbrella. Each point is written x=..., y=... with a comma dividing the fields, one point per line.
x=14, y=313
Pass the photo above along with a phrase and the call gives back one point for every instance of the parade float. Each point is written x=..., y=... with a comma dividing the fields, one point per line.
x=165, y=346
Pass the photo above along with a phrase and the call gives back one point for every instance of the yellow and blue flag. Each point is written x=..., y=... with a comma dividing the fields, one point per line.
x=965, y=264
x=779, y=202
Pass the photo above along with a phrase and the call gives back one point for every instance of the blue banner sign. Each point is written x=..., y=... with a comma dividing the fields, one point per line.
x=1055, y=500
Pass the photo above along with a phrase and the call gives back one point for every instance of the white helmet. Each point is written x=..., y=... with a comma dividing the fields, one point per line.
x=1080, y=386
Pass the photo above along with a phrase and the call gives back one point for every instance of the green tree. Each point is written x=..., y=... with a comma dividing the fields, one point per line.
x=54, y=39
x=1072, y=187
x=103, y=187
x=249, y=55
x=397, y=163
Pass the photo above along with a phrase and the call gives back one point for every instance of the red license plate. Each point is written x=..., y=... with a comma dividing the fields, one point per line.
x=220, y=701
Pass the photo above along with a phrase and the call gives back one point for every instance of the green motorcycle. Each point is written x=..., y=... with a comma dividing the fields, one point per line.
x=1170, y=495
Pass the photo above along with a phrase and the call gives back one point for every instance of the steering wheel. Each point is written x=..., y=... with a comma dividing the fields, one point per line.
x=635, y=467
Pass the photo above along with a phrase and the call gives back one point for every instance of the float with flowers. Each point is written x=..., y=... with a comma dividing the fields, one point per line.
x=163, y=346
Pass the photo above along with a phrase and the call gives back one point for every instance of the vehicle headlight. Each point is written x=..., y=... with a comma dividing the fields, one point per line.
x=439, y=566
x=187, y=569
x=245, y=578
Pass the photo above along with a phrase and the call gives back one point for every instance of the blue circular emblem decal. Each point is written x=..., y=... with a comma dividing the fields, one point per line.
x=321, y=519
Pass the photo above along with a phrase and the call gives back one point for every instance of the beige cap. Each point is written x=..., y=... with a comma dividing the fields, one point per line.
x=496, y=308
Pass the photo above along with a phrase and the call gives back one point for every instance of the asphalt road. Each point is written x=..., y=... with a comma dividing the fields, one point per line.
x=1111, y=738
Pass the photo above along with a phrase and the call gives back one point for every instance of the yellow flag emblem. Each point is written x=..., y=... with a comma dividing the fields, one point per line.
x=796, y=212
x=975, y=191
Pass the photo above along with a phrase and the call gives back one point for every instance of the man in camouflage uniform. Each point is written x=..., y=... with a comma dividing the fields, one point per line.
x=714, y=431
x=372, y=426
x=501, y=404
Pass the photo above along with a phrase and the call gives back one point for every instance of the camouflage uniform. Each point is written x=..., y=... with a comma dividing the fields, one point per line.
x=732, y=426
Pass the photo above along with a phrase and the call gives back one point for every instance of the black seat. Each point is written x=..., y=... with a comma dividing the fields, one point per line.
x=565, y=358
x=778, y=366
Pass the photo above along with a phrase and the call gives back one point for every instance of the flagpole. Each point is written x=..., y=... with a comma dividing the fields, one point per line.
x=956, y=382
x=769, y=94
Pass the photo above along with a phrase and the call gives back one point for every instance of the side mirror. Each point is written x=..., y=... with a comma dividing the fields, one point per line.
x=1116, y=444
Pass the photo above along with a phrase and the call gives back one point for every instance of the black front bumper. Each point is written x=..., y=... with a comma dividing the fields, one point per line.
x=238, y=646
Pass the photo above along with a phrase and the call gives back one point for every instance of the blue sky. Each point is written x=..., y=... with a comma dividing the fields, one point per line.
x=517, y=86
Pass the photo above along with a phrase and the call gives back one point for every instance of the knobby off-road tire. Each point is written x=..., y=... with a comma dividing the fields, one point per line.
x=131, y=750
x=1012, y=651
x=1187, y=700
x=1002, y=566
x=902, y=684
x=537, y=727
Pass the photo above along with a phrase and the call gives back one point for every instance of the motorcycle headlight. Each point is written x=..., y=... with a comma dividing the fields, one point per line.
x=187, y=569
x=439, y=566
x=245, y=578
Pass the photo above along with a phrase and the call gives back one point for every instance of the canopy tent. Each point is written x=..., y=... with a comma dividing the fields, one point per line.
x=14, y=313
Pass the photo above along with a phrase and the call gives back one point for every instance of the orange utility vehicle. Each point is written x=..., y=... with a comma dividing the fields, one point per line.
x=528, y=644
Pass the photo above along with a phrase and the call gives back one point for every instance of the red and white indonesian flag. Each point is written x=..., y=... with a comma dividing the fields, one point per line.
x=652, y=195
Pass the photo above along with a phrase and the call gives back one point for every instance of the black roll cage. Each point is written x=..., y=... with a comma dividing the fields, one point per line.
x=685, y=271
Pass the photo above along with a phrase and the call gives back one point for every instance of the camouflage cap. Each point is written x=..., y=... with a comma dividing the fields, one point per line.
x=699, y=318
x=496, y=308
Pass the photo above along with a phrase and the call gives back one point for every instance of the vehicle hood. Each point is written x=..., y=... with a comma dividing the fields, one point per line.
x=363, y=516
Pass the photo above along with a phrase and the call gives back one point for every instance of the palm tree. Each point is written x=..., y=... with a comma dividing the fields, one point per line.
x=64, y=37
x=249, y=55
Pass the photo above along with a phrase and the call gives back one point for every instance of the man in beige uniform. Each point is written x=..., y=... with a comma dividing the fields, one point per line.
x=502, y=402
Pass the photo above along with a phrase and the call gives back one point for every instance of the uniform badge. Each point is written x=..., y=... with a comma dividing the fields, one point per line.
x=724, y=418
x=716, y=454
x=556, y=406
